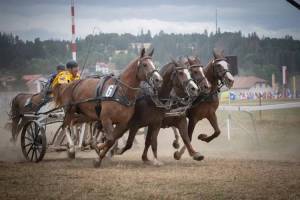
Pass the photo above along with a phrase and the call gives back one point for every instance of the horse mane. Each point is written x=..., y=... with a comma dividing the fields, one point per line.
x=166, y=69
x=207, y=67
x=62, y=93
x=130, y=64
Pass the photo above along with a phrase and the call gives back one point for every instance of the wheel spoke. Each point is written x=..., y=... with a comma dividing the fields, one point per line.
x=32, y=155
x=32, y=132
x=36, y=130
x=28, y=139
x=29, y=133
x=27, y=145
x=36, y=158
x=39, y=148
x=29, y=150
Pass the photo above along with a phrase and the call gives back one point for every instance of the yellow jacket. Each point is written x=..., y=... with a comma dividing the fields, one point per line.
x=64, y=77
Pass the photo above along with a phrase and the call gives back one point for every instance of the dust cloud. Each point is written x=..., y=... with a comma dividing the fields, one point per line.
x=9, y=151
x=274, y=137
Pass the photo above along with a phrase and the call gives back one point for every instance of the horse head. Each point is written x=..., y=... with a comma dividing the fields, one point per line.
x=147, y=71
x=196, y=70
x=181, y=78
x=220, y=68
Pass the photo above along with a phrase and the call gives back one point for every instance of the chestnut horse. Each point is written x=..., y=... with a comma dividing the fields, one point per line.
x=18, y=108
x=107, y=110
x=148, y=114
x=205, y=106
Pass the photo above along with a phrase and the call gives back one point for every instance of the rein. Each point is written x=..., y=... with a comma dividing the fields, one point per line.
x=126, y=85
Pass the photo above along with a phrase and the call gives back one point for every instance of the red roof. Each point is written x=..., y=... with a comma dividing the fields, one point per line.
x=245, y=82
x=31, y=77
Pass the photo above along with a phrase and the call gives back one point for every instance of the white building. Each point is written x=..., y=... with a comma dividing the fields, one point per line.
x=102, y=68
x=250, y=87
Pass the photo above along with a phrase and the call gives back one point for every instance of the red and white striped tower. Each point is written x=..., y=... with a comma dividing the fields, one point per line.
x=73, y=42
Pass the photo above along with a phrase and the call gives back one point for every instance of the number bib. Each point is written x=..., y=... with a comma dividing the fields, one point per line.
x=110, y=91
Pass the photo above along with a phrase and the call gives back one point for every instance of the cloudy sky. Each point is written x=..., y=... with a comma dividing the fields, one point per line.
x=51, y=18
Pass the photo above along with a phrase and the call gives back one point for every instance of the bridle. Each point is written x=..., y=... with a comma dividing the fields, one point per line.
x=200, y=80
x=217, y=72
x=184, y=83
x=148, y=75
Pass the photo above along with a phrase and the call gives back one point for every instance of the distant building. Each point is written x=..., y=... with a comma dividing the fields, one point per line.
x=117, y=52
x=102, y=68
x=139, y=45
x=251, y=87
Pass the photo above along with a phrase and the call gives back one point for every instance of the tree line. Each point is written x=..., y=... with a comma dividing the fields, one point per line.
x=256, y=56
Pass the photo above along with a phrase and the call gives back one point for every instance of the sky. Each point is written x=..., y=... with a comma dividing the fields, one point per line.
x=50, y=19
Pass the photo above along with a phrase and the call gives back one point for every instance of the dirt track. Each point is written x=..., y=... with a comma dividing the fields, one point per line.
x=128, y=178
x=242, y=168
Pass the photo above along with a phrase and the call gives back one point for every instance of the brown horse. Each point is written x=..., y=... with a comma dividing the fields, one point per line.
x=117, y=105
x=206, y=106
x=148, y=114
x=19, y=108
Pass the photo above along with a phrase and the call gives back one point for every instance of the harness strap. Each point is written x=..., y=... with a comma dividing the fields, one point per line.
x=98, y=92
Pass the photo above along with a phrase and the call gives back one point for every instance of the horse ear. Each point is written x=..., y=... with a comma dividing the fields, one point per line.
x=182, y=60
x=218, y=54
x=215, y=53
x=222, y=53
x=151, y=53
x=198, y=59
x=174, y=61
x=190, y=60
x=142, y=52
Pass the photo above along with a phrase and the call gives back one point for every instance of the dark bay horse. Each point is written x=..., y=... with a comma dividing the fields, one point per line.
x=148, y=114
x=108, y=110
x=206, y=106
x=18, y=108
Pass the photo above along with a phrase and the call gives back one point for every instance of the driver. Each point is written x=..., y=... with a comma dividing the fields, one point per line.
x=67, y=76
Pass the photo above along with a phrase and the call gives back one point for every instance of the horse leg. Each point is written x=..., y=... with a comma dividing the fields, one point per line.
x=112, y=136
x=191, y=127
x=176, y=141
x=130, y=140
x=213, y=120
x=155, y=130
x=147, y=145
x=183, y=130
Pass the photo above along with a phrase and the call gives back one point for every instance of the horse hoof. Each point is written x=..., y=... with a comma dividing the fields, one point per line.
x=176, y=144
x=96, y=163
x=197, y=156
x=202, y=137
x=147, y=162
x=176, y=155
x=71, y=153
x=157, y=163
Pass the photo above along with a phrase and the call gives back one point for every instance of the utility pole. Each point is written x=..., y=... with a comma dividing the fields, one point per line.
x=73, y=42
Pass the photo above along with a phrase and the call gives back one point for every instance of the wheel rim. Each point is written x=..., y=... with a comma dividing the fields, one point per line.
x=33, y=142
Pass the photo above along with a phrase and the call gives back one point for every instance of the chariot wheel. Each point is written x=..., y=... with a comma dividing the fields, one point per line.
x=33, y=141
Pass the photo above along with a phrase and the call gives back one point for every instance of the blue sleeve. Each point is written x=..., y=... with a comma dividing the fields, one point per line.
x=51, y=78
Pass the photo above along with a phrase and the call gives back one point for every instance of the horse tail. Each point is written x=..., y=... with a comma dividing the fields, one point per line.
x=15, y=116
x=13, y=113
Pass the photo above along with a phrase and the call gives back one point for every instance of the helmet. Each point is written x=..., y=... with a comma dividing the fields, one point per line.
x=60, y=67
x=71, y=64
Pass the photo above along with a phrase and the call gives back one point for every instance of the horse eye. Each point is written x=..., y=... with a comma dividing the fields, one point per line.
x=145, y=65
x=180, y=72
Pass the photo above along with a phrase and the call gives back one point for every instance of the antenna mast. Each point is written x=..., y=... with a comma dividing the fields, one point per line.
x=73, y=42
